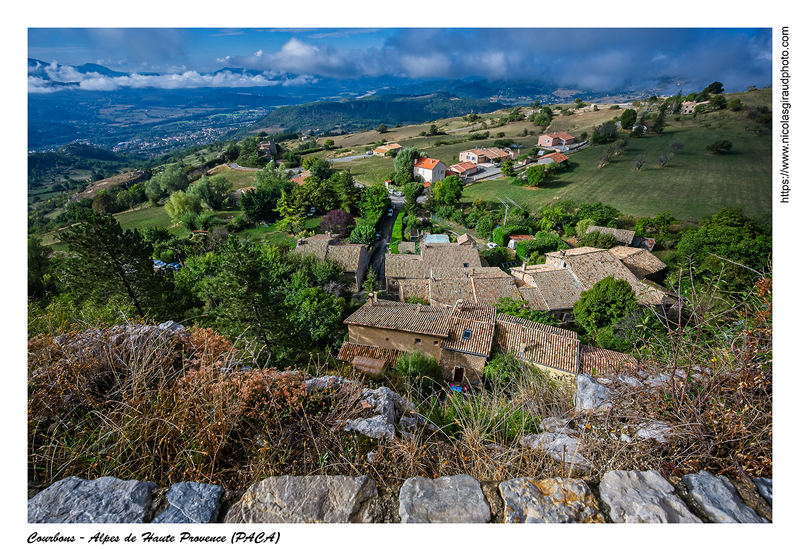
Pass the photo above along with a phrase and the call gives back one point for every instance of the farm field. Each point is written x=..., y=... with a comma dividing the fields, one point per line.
x=693, y=185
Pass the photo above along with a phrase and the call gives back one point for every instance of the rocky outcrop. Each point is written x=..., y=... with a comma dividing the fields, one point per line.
x=634, y=497
x=107, y=500
x=591, y=395
x=718, y=498
x=449, y=499
x=764, y=486
x=191, y=502
x=559, y=446
x=305, y=499
x=555, y=500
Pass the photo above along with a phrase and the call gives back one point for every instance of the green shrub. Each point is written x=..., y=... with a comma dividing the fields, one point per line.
x=421, y=371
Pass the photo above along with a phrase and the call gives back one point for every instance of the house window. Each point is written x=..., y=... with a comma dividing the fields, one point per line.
x=417, y=341
x=466, y=264
x=467, y=335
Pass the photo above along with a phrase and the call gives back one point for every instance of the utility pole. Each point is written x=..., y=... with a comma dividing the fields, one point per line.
x=506, y=205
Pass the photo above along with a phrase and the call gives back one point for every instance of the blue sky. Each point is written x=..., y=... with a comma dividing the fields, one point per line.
x=592, y=59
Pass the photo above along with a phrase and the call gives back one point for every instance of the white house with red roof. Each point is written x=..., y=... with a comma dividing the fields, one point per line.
x=429, y=170
x=555, y=139
x=463, y=169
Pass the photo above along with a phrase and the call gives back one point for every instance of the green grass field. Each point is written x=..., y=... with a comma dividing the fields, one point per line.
x=693, y=185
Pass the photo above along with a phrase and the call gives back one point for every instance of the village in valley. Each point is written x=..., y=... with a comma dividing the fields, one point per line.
x=473, y=288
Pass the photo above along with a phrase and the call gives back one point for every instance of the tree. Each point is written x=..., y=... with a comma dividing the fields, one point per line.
x=605, y=133
x=328, y=144
x=363, y=233
x=628, y=118
x=109, y=262
x=338, y=221
x=718, y=102
x=720, y=147
x=507, y=167
x=675, y=147
x=103, y=202
x=639, y=162
x=344, y=186
x=374, y=202
x=735, y=104
x=598, y=240
x=212, y=192
x=181, y=203
x=172, y=179
x=663, y=160
x=448, y=191
x=485, y=226
x=608, y=301
x=291, y=217
x=715, y=88
x=382, y=129
x=40, y=280
x=404, y=165
x=536, y=175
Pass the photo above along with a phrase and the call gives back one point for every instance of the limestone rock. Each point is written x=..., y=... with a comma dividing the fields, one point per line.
x=171, y=326
x=191, y=502
x=630, y=381
x=456, y=499
x=590, y=394
x=635, y=496
x=655, y=430
x=387, y=402
x=305, y=499
x=718, y=498
x=323, y=383
x=106, y=499
x=656, y=381
x=373, y=427
x=556, y=424
x=555, y=500
x=559, y=446
x=764, y=486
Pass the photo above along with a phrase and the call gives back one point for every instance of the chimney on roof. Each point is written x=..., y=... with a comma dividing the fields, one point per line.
x=371, y=297
x=524, y=265
x=419, y=307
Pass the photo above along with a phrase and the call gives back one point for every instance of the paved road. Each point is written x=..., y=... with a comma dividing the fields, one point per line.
x=377, y=260
x=351, y=158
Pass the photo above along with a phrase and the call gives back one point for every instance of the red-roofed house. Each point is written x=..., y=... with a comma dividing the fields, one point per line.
x=556, y=138
x=464, y=169
x=552, y=158
x=429, y=170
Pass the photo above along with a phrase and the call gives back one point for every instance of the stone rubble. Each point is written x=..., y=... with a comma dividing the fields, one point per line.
x=718, y=498
x=635, y=497
x=449, y=499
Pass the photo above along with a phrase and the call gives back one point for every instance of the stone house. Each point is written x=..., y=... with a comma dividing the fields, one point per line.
x=354, y=258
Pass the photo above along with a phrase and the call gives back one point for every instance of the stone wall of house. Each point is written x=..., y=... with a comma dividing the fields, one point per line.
x=399, y=340
x=473, y=365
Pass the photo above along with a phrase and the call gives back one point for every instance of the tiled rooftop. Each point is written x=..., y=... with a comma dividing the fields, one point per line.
x=600, y=362
x=559, y=289
x=641, y=262
x=413, y=318
x=350, y=350
x=490, y=291
x=534, y=342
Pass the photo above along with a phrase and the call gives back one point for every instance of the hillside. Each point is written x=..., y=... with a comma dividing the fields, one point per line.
x=372, y=111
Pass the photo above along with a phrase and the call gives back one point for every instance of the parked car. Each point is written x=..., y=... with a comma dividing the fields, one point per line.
x=491, y=245
x=378, y=235
x=391, y=212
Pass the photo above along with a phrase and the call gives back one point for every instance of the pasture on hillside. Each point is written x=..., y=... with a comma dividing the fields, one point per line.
x=694, y=184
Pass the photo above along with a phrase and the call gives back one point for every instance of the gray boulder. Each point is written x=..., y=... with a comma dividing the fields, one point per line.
x=590, y=395
x=305, y=499
x=171, y=326
x=323, y=383
x=449, y=499
x=764, y=486
x=374, y=427
x=637, y=497
x=559, y=446
x=630, y=381
x=556, y=424
x=191, y=502
x=718, y=498
x=555, y=500
x=106, y=499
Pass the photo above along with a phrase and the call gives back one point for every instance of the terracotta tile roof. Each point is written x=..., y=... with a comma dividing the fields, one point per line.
x=448, y=291
x=599, y=362
x=449, y=255
x=622, y=236
x=414, y=288
x=538, y=343
x=641, y=262
x=463, y=166
x=490, y=291
x=470, y=336
x=465, y=239
x=520, y=237
x=558, y=289
x=301, y=178
x=557, y=157
x=350, y=350
x=403, y=266
x=349, y=255
x=533, y=296
x=399, y=316
x=426, y=163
